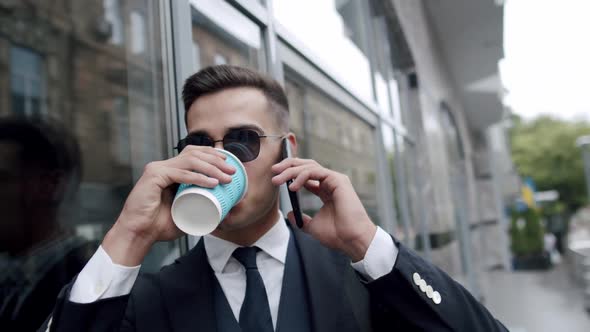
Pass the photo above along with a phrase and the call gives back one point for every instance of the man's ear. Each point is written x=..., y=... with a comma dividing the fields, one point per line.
x=293, y=140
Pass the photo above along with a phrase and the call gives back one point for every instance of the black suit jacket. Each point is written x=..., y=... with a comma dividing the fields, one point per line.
x=39, y=299
x=180, y=298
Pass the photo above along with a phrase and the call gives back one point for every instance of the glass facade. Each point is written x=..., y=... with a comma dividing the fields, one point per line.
x=81, y=113
x=335, y=138
x=334, y=32
x=223, y=35
x=93, y=84
x=392, y=156
x=27, y=78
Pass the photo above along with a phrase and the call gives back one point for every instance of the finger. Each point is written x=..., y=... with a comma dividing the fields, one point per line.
x=172, y=175
x=208, y=154
x=291, y=162
x=292, y=173
x=214, y=160
x=313, y=186
x=310, y=173
x=191, y=163
x=205, y=149
x=203, y=167
x=305, y=217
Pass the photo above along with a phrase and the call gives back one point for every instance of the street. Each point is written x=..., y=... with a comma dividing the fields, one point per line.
x=537, y=301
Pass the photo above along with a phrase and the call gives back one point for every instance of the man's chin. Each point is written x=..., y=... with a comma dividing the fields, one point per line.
x=233, y=221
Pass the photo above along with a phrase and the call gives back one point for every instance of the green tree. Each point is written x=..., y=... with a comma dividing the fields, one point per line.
x=545, y=150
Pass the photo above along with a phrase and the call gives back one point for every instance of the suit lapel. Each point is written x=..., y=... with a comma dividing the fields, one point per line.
x=187, y=289
x=327, y=273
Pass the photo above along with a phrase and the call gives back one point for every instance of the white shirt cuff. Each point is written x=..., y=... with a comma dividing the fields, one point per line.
x=380, y=257
x=102, y=279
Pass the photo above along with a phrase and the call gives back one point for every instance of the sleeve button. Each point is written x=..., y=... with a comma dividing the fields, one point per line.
x=423, y=285
x=416, y=278
x=436, y=298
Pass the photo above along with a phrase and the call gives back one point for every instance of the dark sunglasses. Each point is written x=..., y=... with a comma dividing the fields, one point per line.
x=243, y=143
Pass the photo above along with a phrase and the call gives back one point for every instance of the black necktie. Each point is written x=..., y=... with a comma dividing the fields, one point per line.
x=255, y=311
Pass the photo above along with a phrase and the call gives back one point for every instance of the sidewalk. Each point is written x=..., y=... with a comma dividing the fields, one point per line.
x=544, y=301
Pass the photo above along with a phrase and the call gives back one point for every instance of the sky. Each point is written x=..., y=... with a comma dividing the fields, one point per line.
x=546, y=68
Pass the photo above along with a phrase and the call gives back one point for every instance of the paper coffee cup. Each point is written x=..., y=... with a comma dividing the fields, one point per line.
x=198, y=210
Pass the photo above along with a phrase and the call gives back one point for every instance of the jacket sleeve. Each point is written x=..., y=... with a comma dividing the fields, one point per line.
x=397, y=300
x=111, y=314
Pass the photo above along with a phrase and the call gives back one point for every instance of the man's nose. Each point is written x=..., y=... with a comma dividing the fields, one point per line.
x=218, y=144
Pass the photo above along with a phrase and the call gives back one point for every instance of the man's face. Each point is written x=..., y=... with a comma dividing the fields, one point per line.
x=215, y=115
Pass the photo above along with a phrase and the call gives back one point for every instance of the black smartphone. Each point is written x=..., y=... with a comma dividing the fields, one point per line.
x=293, y=195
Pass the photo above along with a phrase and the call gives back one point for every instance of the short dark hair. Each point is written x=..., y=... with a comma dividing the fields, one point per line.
x=217, y=78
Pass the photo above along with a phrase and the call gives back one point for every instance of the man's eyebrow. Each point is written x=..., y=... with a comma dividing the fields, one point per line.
x=247, y=126
x=244, y=126
x=199, y=132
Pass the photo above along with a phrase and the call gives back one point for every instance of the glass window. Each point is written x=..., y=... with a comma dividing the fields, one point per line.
x=408, y=191
x=416, y=204
x=396, y=109
x=26, y=80
x=383, y=72
x=335, y=32
x=83, y=120
x=400, y=231
x=409, y=93
x=196, y=56
x=120, y=131
x=329, y=143
x=225, y=36
x=219, y=59
x=299, y=122
x=112, y=14
x=138, y=32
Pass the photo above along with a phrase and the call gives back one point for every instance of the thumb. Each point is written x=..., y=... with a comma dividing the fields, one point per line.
x=306, y=220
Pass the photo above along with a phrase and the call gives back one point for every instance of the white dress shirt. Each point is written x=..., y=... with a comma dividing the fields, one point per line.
x=270, y=261
x=101, y=278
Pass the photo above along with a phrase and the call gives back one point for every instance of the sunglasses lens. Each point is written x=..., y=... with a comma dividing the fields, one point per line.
x=198, y=140
x=244, y=144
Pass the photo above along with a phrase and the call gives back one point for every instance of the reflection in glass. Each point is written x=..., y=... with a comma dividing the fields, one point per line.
x=383, y=72
x=412, y=199
x=138, y=33
x=26, y=81
x=396, y=109
x=83, y=115
x=222, y=35
x=334, y=32
x=112, y=15
x=39, y=250
x=400, y=231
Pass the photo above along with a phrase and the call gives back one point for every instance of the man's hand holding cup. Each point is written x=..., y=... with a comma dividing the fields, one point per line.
x=146, y=217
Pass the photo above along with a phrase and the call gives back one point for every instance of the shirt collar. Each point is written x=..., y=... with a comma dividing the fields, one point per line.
x=274, y=242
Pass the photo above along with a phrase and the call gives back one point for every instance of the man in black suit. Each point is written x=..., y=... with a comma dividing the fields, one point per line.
x=339, y=272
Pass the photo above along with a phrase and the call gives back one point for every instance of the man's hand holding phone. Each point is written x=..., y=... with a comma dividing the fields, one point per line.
x=342, y=222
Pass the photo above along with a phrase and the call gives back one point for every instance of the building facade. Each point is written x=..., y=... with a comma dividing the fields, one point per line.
x=370, y=95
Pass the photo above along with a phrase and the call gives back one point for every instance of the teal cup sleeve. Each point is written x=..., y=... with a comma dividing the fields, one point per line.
x=198, y=210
